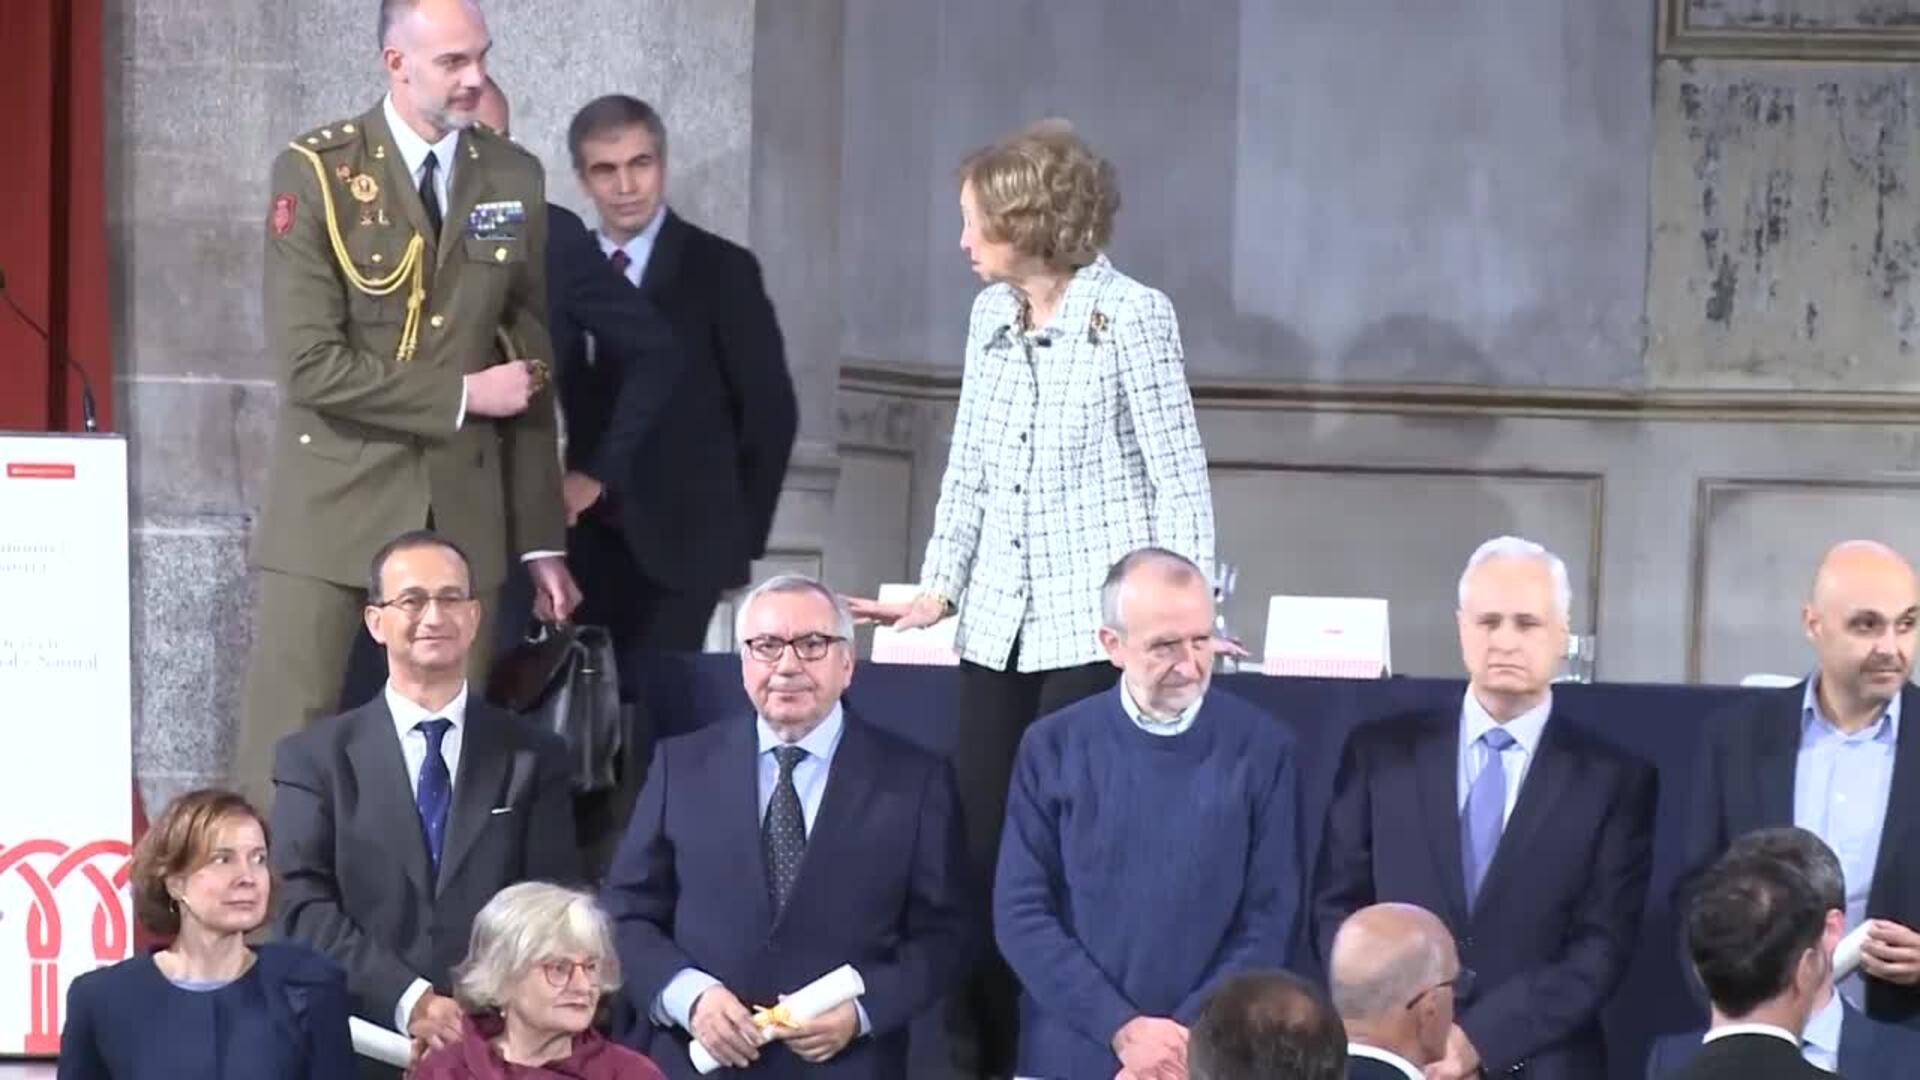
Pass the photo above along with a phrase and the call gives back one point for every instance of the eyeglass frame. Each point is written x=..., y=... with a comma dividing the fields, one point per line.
x=445, y=599
x=589, y=967
x=1461, y=984
x=828, y=641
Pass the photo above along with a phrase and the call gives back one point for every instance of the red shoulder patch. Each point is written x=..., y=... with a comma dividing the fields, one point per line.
x=282, y=219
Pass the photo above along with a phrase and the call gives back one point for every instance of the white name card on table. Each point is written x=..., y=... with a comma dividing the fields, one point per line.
x=925, y=645
x=1339, y=637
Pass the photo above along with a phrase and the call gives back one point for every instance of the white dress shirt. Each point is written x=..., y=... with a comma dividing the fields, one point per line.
x=674, y=1004
x=639, y=249
x=1374, y=1053
x=1526, y=730
x=1730, y=1030
x=413, y=153
x=407, y=715
x=1154, y=725
x=1820, y=1043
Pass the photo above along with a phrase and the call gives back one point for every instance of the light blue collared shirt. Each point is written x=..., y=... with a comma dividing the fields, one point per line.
x=1840, y=785
x=1820, y=1042
x=413, y=153
x=1152, y=725
x=639, y=249
x=1526, y=729
x=674, y=1006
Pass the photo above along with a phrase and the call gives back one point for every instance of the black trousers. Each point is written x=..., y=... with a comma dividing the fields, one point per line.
x=638, y=611
x=996, y=708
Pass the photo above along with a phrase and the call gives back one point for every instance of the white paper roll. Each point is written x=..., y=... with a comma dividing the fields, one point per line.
x=1846, y=955
x=822, y=995
x=378, y=1043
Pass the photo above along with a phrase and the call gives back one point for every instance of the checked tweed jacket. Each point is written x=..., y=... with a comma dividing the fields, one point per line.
x=1074, y=444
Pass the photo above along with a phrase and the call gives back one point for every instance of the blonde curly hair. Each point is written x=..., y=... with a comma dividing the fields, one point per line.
x=1045, y=191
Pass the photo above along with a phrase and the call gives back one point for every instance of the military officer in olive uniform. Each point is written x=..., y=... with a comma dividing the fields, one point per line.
x=405, y=254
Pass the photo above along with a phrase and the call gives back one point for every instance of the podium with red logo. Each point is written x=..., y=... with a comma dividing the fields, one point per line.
x=66, y=766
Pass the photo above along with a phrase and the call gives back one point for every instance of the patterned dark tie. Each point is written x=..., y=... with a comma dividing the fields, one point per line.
x=1485, y=816
x=434, y=795
x=783, y=835
x=430, y=192
x=620, y=260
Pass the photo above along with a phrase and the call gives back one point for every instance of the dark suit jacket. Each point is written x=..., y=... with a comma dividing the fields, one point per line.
x=1746, y=781
x=634, y=356
x=1360, y=1068
x=352, y=871
x=1560, y=908
x=1749, y=1057
x=881, y=887
x=1869, y=1049
x=691, y=443
x=285, y=1018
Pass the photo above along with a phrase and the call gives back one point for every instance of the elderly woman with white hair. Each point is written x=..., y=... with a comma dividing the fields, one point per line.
x=539, y=961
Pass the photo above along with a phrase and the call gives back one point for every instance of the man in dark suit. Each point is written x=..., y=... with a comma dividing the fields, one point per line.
x=1835, y=755
x=1259, y=1025
x=1837, y=1037
x=674, y=485
x=768, y=851
x=1394, y=974
x=1755, y=930
x=395, y=822
x=1528, y=836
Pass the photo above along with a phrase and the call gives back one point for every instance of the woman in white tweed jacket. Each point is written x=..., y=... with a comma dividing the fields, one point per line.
x=1074, y=445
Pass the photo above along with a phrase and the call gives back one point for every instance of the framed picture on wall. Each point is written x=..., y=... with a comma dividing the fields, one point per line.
x=1869, y=30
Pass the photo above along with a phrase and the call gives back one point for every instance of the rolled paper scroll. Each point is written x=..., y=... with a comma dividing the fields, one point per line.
x=821, y=996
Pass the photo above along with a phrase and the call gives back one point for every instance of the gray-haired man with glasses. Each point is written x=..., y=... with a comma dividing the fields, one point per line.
x=769, y=849
x=396, y=821
x=1395, y=975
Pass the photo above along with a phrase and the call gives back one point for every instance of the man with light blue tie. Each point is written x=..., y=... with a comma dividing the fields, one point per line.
x=395, y=822
x=1832, y=756
x=769, y=850
x=1837, y=1037
x=1528, y=834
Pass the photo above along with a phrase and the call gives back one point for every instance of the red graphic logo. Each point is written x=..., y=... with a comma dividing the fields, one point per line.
x=112, y=935
x=39, y=470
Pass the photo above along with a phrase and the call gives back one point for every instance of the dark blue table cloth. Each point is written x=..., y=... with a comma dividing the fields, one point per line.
x=1660, y=723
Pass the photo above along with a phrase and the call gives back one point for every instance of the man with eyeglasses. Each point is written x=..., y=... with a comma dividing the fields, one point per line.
x=1150, y=850
x=395, y=822
x=1395, y=975
x=770, y=849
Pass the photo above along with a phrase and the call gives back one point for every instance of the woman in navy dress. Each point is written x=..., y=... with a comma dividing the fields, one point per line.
x=208, y=1006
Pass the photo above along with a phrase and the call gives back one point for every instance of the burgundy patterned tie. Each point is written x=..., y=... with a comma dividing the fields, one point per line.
x=620, y=261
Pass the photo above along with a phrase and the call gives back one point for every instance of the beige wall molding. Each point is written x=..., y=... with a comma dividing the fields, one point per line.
x=1788, y=30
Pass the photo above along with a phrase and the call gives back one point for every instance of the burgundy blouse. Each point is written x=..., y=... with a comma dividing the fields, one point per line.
x=474, y=1058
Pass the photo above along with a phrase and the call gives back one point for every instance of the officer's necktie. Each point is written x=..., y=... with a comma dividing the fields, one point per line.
x=434, y=795
x=783, y=835
x=430, y=192
x=1481, y=824
x=620, y=261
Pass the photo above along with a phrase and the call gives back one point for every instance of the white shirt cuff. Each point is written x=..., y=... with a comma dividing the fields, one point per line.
x=866, y=1025
x=675, y=1003
x=404, y=1011
x=532, y=555
x=460, y=418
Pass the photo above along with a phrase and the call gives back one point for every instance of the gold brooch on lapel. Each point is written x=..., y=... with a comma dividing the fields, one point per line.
x=364, y=188
x=1096, y=327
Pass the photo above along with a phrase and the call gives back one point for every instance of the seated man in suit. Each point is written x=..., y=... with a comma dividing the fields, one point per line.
x=1261, y=1025
x=396, y=822
x=1150, y=849
x=1395, y=974
x=1838, y=1037
x=682, y=477
x=1528, y=836
x=769, y=849
x=1835, y=755
x=1755, y=928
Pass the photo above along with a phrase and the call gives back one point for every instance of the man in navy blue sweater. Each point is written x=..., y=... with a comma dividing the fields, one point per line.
x=1150, y=849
